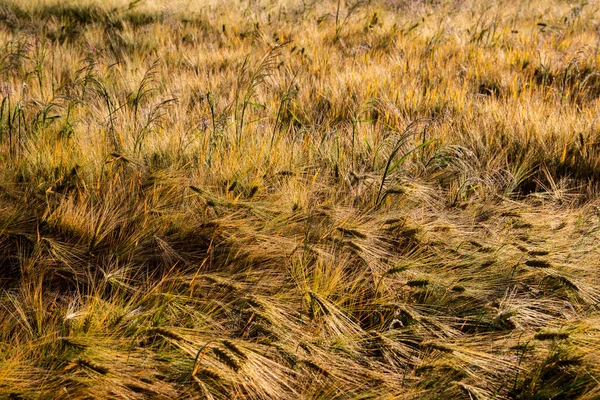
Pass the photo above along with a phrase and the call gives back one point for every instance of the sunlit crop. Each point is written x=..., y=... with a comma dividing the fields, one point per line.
x=299, y=199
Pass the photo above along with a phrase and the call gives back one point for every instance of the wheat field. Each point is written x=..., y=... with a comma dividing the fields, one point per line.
x=301, y=199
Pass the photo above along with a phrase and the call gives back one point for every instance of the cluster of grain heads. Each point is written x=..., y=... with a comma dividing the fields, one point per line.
x=298, y=200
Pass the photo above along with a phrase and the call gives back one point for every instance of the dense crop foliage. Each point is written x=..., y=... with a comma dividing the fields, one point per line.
x=299, y=199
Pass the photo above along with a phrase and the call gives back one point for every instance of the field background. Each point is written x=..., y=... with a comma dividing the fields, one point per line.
x=300, y=199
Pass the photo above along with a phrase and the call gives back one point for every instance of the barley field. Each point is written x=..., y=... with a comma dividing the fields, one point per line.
x=299, y=199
